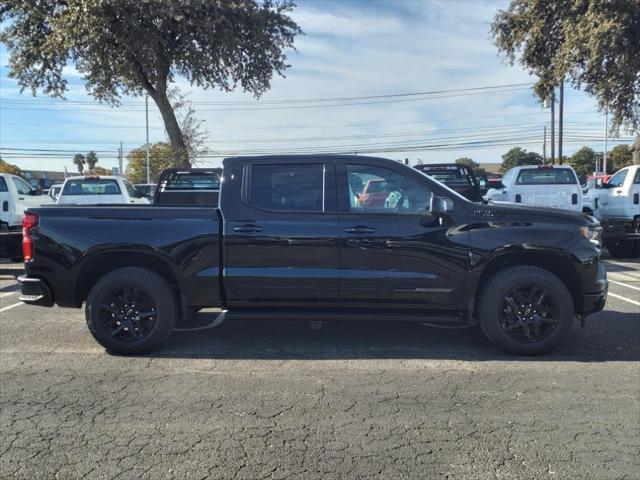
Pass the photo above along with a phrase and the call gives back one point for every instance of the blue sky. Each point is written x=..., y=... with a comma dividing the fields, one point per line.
x=350, y=49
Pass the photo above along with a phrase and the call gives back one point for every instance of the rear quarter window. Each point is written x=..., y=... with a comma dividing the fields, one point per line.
x=193, y=181
x=91, y=186
x=546, y=176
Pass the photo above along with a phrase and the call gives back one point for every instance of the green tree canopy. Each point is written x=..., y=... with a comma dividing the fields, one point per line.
x=583, y=162
x=129, y=47
x=517, y=157
x=9, y=168
x=593, y=44
x=91, y=159
x=79, y=161
x=619, y=157
x=160, y=158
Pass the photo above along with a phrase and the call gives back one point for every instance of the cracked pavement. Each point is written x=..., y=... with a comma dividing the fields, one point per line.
x=252, y=400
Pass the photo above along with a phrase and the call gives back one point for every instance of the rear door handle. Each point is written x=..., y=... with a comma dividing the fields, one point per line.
x=359, y=229
x=248, y=229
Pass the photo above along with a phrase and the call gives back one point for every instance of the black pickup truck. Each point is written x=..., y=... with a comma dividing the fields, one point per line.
x=295, y=237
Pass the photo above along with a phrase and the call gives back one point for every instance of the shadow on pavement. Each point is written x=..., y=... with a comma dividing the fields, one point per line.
x=607, y=336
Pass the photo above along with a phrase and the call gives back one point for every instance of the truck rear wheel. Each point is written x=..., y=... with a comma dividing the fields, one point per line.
x=624, y=249
x=526, y=310
x=131, y=310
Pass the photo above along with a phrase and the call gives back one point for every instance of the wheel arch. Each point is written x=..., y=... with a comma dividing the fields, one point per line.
x=560, y=265
x=99, y=264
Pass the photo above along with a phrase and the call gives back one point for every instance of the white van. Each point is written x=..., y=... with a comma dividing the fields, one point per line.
x=93, y=190
x=546, y=185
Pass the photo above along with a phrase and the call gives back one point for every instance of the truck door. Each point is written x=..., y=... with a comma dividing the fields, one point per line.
x=280, y=232
x=397, y=255
x=5, y=203
x=615, y=199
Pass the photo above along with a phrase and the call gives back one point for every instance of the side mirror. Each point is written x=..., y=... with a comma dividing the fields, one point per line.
x=441, y=205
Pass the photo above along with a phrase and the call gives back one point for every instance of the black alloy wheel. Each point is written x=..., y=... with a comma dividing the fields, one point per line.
x=127, y=313
x=529, y=313
x=525, y=310
x=132, y=310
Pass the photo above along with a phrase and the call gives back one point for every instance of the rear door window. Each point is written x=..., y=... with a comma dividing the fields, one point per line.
x=287, y=187
x=91, y=186
x=546, y=176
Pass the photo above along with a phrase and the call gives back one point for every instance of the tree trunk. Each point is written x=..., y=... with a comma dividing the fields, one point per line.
x=178, y=147
x=635, y=149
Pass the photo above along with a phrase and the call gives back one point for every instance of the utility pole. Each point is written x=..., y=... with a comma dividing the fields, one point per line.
x=606, y=140
x=146, y=110
x=553, y=126
x=560, y=121
x=120, y=159
x=544, y=145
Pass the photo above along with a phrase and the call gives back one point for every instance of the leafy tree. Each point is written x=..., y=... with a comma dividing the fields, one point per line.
x=99, y=171
x=10, y=168
x=79, y=161
x=160, y=158
x=619, y=157
x=129, y=47
x=517, y=157
x=91, y=159
x=475, y=166
x=195, y=135
x=583, y=162
x=593, y=44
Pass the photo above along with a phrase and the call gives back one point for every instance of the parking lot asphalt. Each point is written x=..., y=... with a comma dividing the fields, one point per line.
x=277, y=399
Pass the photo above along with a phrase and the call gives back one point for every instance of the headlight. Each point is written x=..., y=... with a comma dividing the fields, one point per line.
x=594, y=235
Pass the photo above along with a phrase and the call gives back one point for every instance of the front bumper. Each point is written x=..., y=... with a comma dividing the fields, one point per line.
x=35, y=291
x=594, y=302
x=615, y=229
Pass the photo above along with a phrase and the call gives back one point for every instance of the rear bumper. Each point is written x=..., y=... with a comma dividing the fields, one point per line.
x=35, y=292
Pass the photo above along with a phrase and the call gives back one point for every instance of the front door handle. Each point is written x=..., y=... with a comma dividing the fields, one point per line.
x=248, y=229
x=359, y=229
x=20, y=198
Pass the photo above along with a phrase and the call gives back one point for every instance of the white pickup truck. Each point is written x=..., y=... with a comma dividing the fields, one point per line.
x=92, y=190
x=616, y=204
x=16, y=195
x=546, y=185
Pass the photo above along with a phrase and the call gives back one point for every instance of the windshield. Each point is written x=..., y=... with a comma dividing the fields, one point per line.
x=546, y=176
x=91, y=186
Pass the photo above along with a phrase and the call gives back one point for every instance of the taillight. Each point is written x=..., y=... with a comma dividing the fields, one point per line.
x=518, y=198
x=29, y=222
x=574, y=199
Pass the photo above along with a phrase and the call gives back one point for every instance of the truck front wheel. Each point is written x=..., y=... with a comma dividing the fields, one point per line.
x=131, y=310
x=525, y=310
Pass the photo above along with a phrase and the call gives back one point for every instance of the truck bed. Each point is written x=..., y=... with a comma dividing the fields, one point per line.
x=77, y=242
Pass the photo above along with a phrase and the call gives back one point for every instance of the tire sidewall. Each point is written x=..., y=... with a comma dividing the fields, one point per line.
x=491, y=302
x=154, y=286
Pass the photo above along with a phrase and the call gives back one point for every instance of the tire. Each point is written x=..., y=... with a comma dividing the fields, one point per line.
x=131, y=310
x=623, y=249
x=553, y=315
x=636, y=250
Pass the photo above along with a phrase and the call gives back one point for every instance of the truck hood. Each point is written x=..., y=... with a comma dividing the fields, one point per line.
x=521, y=212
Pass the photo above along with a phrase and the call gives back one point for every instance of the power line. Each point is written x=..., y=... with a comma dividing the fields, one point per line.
x=307, y=100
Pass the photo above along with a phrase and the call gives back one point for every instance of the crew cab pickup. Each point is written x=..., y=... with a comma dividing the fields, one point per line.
x=290, y=239
x=98, y=190
x=544, y=185
x=616, y=204
x=455, y=176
